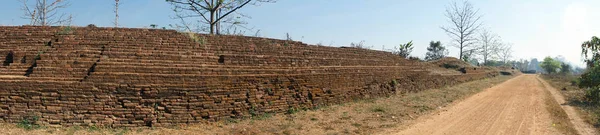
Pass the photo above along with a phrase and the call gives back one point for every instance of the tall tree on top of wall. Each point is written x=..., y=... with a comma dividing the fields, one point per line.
x=46, y=12
x=435, y=51
x=464, y=23
x=211, y=12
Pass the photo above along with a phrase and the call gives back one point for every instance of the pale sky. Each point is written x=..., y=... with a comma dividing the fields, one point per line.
x=537, y=28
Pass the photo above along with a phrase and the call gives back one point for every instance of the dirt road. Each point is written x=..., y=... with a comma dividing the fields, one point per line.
x=514, y=107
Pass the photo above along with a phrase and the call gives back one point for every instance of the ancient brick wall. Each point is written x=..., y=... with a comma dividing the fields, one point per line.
x=146, y=77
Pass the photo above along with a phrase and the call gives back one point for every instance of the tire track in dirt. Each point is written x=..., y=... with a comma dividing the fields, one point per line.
x=514, y=107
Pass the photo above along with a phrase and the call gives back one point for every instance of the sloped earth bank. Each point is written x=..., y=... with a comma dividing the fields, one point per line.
x=358, y=117
x=523, y=105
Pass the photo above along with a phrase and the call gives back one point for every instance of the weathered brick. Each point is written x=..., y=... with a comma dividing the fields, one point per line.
x=164, y=77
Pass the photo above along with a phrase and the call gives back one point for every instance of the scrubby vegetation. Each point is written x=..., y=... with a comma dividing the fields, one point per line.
x=550, y=65
x=435, y=51
x=580, y=91
x=591, y=79
x=575, y=96
x=404, y=50
x=29, y=123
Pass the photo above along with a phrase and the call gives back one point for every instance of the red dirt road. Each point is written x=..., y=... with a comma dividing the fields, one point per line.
x=514, y=107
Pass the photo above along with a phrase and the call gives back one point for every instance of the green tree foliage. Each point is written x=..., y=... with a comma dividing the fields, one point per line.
x=591, y=79
x=565, y=68
x=404, y=49
x=435, y=51
x=467, y=56
x=591, y=51
x=550, y=65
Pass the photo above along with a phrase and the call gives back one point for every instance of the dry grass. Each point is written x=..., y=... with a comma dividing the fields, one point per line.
x=560, y=119
x=576, y=97
x=360, y=117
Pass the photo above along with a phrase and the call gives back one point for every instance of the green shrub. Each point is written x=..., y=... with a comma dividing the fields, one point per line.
x=29, y=123
x=252, y=111
x=593, y=94
x=65, y=30
x=591, y=79
x=292, y=110
x=198, y=39
x=575, y=82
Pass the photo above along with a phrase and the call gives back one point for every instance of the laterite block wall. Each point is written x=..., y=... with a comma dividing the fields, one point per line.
x=122, y=77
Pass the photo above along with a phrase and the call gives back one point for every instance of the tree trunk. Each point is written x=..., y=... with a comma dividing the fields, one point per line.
x=460, y=57
x=43, y=12
x=218, y=24
x=485, y=61
x=213, y=24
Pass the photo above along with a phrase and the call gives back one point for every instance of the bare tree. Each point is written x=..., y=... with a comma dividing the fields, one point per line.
x=489, y=45
x=211, y=12
x=45, y=12
x=117, y=13
x=464, y=25
x=505, y=52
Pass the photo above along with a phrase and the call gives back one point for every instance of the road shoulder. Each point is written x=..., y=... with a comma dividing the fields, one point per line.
x=573, y=116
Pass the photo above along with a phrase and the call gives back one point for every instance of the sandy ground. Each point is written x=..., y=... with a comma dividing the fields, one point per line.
x=513, y=107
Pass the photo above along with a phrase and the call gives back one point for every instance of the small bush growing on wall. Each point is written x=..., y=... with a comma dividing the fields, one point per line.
x=65, y=30
x=198, y=39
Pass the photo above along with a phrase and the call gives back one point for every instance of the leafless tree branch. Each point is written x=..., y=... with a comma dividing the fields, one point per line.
x=490, y=45
x=213, y=12
x=464, y=23
x=44, y=12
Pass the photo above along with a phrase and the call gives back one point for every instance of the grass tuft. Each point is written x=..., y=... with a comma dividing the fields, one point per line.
x=378, y=109
x=29, y=123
